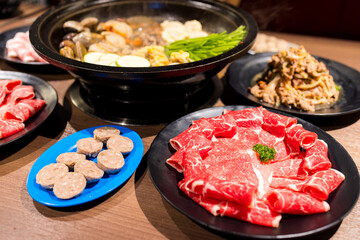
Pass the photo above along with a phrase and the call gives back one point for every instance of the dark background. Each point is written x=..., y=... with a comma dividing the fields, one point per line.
x=330, y=18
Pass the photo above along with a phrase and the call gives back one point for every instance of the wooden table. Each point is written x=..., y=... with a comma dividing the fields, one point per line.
x=136, y=210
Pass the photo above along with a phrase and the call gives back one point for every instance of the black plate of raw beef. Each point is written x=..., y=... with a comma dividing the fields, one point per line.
x=42, y=90
x=314, y=226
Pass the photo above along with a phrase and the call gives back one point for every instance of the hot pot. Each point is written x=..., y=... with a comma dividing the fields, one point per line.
x=142, y=95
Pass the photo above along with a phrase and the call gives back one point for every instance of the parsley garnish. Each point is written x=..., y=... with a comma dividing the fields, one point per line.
x=265, y=153
x=337, y=87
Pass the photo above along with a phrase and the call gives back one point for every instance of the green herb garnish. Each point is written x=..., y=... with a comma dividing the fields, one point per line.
x=209, y=46
x=337, y=87
x=265, y=153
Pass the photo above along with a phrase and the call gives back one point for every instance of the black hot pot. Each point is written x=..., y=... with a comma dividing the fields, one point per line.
x=140, y=95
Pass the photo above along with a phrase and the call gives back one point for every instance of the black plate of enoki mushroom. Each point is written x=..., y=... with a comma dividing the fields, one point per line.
x=85, y=166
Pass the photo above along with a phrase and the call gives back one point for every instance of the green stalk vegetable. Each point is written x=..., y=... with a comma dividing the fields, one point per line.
x=209, y=46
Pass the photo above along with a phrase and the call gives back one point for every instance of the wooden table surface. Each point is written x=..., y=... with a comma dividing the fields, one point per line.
x=136, y=210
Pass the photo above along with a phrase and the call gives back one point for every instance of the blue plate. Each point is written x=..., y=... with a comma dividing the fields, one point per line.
x=105, y=185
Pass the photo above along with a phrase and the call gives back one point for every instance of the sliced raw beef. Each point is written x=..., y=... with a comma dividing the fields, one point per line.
x=265, y=138
x=17, y=105
x=176, y=160
x=282, y=152
x=183, y=138
x=237, y=182
x=276, y=123
x=193, y=164
x=238, y=168
x=223, y=173
x=287, y=201
x=238, y=192
x=292, y=168
x=318, y=185
x=226, y=146
x=205, y=127
x=3, y=110
x=259, y=214
x=198, y=143
x=10, y=127
x=192, y=134
x=296, y=136
x=247, y=118
x=201, y=143
x=224, y=125
x=215, y=207
x=287, y=183
x=322, y=183
x=24, y=109
x=316, y=158
x=192, y=185
x=226, y=160
x=269, y=139
x=19, y=93
x=7, y=86
x=246, y=137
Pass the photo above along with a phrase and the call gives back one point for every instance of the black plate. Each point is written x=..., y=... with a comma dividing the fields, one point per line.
x=4, y=37
x=242, y=71
x=165, y=179
x=44, y=91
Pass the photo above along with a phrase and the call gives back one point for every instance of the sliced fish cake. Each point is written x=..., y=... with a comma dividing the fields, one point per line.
x=89, y=146
x=89, y=169
x=70, y=158
x=71, y=185
x=120, y=143
x=110, y=161
x=104, y=133
x=48, y=175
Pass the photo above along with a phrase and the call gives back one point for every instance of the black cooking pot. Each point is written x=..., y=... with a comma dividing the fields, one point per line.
x=141, y=84
x=46, y=33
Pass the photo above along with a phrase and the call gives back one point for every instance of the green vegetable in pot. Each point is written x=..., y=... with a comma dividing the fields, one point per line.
x=209, y=46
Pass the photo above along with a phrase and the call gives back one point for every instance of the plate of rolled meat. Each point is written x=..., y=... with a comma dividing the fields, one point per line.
x=251, y=172
x=26, y=102
x=15, y=47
